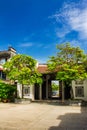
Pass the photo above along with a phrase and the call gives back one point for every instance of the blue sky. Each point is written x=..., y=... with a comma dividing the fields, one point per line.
x=35, y=27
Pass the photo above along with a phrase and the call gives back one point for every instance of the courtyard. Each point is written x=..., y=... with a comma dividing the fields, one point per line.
x=42, y=116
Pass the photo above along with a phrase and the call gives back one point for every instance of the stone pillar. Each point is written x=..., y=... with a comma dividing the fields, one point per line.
x=40, y=92
x=32, y=92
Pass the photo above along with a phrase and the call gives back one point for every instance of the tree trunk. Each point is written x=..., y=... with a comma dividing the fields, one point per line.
x=62, y=91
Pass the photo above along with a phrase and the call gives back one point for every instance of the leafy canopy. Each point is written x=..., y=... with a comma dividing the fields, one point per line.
x=23, y=69
x=68, y=63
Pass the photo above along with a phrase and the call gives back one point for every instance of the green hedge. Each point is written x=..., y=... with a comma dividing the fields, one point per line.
x=7, y=91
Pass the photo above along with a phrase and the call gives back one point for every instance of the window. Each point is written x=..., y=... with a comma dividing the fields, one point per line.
x=79, y=91
x=26, y=90
x=2, y=75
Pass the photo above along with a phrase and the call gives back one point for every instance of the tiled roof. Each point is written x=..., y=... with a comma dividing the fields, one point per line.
x=42, y=69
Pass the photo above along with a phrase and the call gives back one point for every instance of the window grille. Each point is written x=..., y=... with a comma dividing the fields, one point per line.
x=26, y=90
x=79, y=91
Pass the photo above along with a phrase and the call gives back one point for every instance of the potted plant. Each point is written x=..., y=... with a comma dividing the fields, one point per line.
x=5, y=98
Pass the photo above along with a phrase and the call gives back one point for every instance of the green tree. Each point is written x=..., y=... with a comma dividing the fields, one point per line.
x=55, y=87
x=23, y=69
x=69, y=64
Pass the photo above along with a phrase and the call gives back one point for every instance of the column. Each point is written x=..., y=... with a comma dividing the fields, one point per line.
x=40, y=91
x=32, y=92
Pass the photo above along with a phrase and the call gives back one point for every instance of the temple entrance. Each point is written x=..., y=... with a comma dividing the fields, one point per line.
x=50, y=89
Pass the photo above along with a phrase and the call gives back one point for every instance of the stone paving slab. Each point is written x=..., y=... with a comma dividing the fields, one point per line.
x=55, y=128
x=42, y=116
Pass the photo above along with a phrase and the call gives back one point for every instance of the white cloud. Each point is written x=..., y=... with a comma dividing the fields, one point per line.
x=26, y=44
x=30, y=44
x=61, y=32
x=77, y=20
x=73, y=18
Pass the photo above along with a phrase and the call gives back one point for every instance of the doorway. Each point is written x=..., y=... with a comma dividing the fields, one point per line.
x=44, y=90
x=37, y=91
x=55, y=89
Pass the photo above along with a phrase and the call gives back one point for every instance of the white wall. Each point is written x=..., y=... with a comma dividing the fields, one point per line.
x=32, y=92
x=28, y=96
x=85, y=89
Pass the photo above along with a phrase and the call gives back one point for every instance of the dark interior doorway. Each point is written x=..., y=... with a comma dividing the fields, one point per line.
x=67, y=92
x=44, y=90
x=37, y=91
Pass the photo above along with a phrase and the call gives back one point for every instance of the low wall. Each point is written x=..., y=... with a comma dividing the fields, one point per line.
x=23, y=101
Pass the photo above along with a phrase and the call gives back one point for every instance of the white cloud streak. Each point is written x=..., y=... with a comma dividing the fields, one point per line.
x=26, y=44
x=61, y=32
x=73, y=18
x=30, y=44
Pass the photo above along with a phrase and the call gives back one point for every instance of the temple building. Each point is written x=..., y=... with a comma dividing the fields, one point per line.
x=50, y=87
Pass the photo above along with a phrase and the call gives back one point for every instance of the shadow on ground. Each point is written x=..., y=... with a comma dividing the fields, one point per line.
x=73, y=120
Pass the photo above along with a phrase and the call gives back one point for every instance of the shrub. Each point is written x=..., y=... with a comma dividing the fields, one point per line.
x=7, y=91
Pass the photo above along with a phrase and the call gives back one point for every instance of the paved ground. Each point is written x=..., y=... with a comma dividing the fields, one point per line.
x=36, y=116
